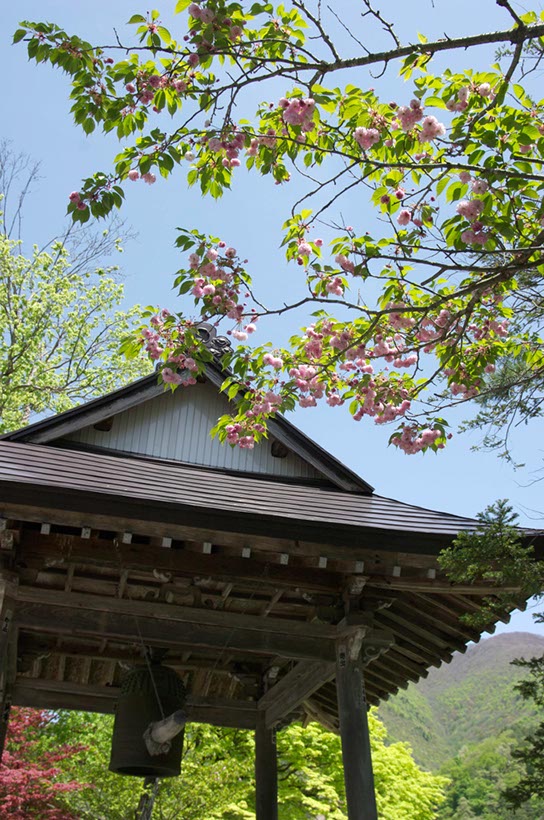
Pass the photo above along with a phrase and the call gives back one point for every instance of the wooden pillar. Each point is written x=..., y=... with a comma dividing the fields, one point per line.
x=266, y=771
x=5, y=708
x=352, y=711
x=8, y=658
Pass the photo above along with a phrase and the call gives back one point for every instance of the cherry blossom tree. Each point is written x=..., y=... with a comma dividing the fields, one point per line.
x=401, y=321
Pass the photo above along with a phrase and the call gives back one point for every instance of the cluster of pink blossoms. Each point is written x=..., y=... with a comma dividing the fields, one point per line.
x=412, y=440
x=298, y=111
x=461, y=103
x=274, y=361
x=431, y=129
x=305, y=377
x=208, y=16
x=75, y=197
x=409, y=115
x=243, y=435
x=381, y=402
x=146, y=85
x=345, y=263
x=230, y=147
x=170, y=376
x=218, y=285
x=366, y=137
x=335, y=286
x=471, y=210
x=464, y=386
x=149, y=178
x=236, y=435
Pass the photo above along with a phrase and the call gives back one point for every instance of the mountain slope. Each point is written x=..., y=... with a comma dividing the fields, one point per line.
x=466, y=701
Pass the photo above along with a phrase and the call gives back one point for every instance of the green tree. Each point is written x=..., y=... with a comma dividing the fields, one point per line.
x=60, y=322
x=405, y=315
x=216, y=782
x=530, y=753
x=479, y=776
x=495, y=551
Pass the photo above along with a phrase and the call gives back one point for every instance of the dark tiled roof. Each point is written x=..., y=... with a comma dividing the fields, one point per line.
x=175, y=484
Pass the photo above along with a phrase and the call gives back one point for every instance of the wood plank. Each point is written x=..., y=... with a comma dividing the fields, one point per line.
x=294, y=688
x=316, y=713
x=431, y=636
x=44, y=618
x=435, y=586
x=44, y=694
x=439, y=616
x=354, y=733
x=100, y=552
x=174, y=613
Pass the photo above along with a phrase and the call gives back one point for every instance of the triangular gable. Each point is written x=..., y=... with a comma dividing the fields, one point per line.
x=143, y=419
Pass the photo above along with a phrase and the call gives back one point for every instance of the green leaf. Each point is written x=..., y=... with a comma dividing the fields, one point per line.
x=181, y=5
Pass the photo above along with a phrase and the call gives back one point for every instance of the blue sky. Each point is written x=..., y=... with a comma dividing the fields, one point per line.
x=35, y=116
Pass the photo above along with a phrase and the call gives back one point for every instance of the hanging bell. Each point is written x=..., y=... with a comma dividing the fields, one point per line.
x=137, y=708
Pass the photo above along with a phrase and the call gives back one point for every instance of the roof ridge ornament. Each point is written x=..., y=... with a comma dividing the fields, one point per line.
x=217, y=345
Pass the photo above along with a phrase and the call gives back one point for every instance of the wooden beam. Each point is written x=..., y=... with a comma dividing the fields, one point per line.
x=99, y=552
x=436, y=587
x=179, y=614
x=352, y=710
x=294, y=688
x=315, y=712
x=195, y=630
x=266, y=771
x=50, y=694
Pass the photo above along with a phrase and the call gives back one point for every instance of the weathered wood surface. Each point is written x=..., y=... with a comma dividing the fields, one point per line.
x=171, y=632
x=67, y=695
x=294, y=688
x=266, y=771
x=354, y=733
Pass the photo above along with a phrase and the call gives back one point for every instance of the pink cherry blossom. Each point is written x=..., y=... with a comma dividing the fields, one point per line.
x=409, y=115
x=366, y=137
x=484, y=90
x=431, y=129
x=479, y=186
x=345, y=263
x=169, y=377
x=470, y=208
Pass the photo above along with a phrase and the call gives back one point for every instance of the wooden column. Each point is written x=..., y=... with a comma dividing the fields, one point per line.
x=352, y=711
x=266, y=771
x=8, y=656
x=4, y=723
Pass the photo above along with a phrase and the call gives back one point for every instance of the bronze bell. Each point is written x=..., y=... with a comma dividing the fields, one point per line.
x=137, y=708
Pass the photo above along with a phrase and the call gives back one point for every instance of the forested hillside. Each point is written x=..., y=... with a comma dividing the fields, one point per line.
x=466, y=701
x=464, y=719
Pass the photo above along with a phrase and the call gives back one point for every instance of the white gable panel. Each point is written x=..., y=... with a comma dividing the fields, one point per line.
x=177, y=426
